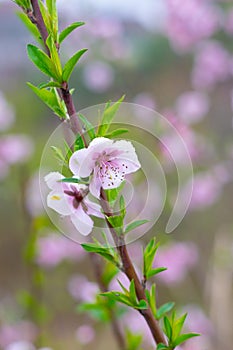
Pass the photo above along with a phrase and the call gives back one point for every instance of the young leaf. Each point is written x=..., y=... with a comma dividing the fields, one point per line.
x=49, y=85
x=161, y=346
x=42, y=61
x=107, y=253
x=30, y=26
x=167, y=327
x=116, y=132
x=165, y=308
x=54, y=55
x=73, y=180
x=148, y=258
x=79, y=143
x=116, y=221
x=89, y=127
x=69, y=30
x=183, y=337
x=58, y=153
x=50, y=99
x=151, y=297
x=69, y=66
x=108, y=116
x=122, y=206
x=154, y=272
x=134, y=225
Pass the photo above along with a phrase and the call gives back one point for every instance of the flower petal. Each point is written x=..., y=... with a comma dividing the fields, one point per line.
x=52, y=180
x=93, y=208
x=126, y=152
x=82, y=221
x=57, y=201
x=80, y=164
x=95, y=184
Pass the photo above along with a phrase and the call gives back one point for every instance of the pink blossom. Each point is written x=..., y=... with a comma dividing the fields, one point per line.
x=53, y=249
x=98, y=76
x=145, y=99
x=70, y=199
x=206, y=190
x=85, y=334
x=178, y=258
x=190, y=21
x=192, y=106
x=16, y=148
x=81, y=289
x=109, y=162
x=20, y=345
x=212, y=65
x=7, y=115
x=22, y=331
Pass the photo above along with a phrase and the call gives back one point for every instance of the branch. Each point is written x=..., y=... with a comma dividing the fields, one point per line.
x=130, y=272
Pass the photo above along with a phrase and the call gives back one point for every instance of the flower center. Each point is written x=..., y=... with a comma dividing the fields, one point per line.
x=76, y=194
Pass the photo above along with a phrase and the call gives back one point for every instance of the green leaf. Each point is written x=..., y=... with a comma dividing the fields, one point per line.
x=165, y=308
x=73, y=180
x=69, y=30
x=161, y=346
x=154, y=272
x=58, y=153
x=148, y=258
x=183, y=337
x=79, y=143
x=69, y=66
x=116, y=132
x=116, y=221
x=134, y=225
x=167, y=327
x=122, y=206
x=42, y=61
x=49, y=85
x=24, y=4
x=54, y=56
x=113, y=193
x=178, y=324
x=142, y=305
x=151, y=297
x=30, y=26
x=107, y=253
x=89, y=127
x=97, y=310
x=50, y=99
x=132, y=292
x=108, y=116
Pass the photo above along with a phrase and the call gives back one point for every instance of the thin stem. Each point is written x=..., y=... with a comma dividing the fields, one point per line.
x=130, y=272
x=38, y=20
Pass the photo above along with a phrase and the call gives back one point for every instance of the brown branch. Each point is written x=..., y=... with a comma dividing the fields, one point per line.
x=37, y=19
x=130, y=272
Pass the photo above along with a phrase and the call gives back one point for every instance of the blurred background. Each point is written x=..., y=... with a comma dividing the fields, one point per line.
x=175, y=57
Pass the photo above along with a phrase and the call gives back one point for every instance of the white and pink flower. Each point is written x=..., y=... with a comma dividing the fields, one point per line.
x=109, y=161
x=70, y=199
